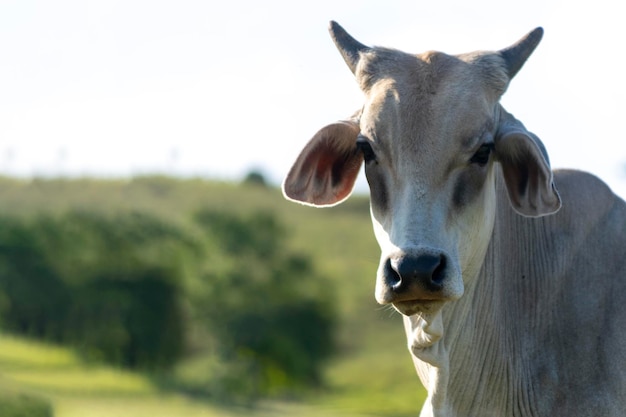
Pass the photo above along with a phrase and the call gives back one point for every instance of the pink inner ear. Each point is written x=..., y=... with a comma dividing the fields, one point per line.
x=343, y=176
x=323, y=165
x=333, y=172
x=325, y=172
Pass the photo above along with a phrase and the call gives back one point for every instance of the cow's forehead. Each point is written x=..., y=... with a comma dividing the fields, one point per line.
x=433, y=73
x=434, y=96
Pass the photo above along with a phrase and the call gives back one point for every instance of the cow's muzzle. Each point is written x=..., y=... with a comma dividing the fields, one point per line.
x=417, y=277
x=416, y=272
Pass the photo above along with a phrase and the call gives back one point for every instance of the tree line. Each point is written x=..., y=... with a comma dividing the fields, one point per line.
x=217, y=306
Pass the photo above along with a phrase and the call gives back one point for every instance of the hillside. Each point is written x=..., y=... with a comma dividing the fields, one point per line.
x=371, y=374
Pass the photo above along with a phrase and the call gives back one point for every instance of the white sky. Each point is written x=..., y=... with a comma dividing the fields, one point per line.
x=212, y=88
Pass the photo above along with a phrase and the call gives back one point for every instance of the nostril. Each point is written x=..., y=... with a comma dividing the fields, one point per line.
x=439, y=272
x=392, y=278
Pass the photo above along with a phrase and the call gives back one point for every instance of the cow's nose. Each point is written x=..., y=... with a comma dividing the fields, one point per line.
x=427, y=271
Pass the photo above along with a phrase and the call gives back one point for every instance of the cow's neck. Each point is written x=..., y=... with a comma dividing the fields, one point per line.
x=431, y=361
x=469, y=338
x=463, y=364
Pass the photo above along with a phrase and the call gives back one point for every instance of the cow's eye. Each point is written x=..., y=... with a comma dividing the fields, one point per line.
x=366, y=149
x=481, y=157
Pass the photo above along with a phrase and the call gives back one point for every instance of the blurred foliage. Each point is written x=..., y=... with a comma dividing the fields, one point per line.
x=24, y=405
x=269, y=315
x=369, y=371
x=130, y=288
x=256, y=178
x=109, y=285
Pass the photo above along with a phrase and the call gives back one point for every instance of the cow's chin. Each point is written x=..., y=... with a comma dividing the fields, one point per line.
x=418, y=307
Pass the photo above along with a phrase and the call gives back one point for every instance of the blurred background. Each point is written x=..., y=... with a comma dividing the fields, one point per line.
x=148, y=263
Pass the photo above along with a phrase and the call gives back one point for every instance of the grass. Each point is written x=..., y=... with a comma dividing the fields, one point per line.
x=370, y=382
x=378, y=377
x=372, y=376
x=15, y=353
x=79, y=390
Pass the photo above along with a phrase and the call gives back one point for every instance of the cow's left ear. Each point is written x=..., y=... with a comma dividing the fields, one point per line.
x=325, y=171
x=526, y=169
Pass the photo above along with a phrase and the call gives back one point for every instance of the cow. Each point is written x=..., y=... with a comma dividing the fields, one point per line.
x=510, y=277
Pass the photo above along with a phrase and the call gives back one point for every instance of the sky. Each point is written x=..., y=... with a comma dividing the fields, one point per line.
x=219, y=88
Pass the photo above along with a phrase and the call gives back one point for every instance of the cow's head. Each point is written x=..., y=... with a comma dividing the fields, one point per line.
x=433, y=137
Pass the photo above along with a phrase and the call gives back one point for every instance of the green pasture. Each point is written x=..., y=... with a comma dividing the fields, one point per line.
x=363, y=385
x=370, y=375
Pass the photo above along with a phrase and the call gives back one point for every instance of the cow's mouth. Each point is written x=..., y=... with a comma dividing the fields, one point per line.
x=413, y=307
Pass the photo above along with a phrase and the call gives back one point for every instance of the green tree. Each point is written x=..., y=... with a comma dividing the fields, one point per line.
x=111, y=285
x=268, y=313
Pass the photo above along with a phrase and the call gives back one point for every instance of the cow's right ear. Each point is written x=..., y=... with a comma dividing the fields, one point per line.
x=325, y=171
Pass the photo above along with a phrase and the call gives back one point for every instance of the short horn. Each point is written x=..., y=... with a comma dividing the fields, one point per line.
x=347, y=45
x=517, y=54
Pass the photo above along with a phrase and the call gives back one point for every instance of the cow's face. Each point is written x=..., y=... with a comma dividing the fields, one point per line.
x=431, y=134
x=427, y=135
